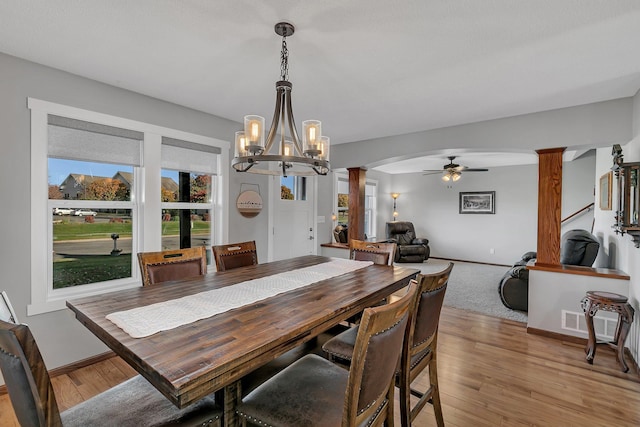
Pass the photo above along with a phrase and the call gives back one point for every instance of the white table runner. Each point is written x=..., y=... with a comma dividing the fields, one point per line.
x=144, y=321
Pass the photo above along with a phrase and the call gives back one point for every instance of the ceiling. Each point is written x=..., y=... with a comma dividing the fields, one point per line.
x=366, y=68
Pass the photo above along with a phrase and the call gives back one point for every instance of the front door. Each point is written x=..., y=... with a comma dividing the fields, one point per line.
x=292, y=217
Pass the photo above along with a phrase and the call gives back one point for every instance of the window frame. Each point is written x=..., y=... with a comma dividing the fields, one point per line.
x=341, y=176
x=146, y=209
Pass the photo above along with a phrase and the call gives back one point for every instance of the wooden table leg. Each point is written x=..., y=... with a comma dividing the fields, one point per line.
x=231, y=396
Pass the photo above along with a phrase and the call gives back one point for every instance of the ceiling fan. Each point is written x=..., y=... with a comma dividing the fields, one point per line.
x=452, y=171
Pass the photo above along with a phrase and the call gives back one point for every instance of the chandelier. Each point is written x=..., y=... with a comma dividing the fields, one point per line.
x=289, y=156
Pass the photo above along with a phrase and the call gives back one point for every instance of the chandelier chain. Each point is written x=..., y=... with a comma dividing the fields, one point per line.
x=284, y=60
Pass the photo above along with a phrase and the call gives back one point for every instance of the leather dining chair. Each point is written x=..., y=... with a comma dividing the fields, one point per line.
x=7, y=313
x=234, y=255
x=379, y=253
x=419, y=348
x=133, y=403
x=315, y=392
x=172, y=264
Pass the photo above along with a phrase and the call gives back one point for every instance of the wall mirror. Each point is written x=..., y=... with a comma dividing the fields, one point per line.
x=628, y=206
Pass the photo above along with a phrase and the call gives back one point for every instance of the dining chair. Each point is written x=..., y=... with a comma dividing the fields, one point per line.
x=379, y=253
x=419, y=348
x=315, y=392
x=132, y=403
x=234, y=255
x=7, y=313
x=172, y=264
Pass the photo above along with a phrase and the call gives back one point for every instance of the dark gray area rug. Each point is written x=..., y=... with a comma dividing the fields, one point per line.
x=472, y=287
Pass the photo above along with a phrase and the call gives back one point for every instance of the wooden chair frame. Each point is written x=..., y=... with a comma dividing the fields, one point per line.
x=371, y=248
x=221, y=253
x=428, y=285
x=6, y=309
x=33, y=398
x=367, y=398
x=375, y=320
x=148, y=259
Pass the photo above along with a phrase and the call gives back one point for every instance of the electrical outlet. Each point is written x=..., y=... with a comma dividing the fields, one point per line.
x=492, y=251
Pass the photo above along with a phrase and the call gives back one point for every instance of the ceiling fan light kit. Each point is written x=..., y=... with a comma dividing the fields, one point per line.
x=453, y=171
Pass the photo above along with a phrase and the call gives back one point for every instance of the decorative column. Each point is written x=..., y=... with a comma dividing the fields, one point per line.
x=357, y=181
x=549, y=206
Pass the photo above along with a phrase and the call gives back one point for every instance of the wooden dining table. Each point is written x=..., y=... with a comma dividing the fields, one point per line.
x=191, y=361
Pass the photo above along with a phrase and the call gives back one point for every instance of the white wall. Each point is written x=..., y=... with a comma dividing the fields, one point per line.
x=620, y=251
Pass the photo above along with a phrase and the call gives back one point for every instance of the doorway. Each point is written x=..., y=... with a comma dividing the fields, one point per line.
x=292, y=219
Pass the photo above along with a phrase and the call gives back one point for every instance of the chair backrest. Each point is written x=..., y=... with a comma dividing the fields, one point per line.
x=26, y=377
x=7, y=313
x=578, y=247
x=423, y=326
x=235, y=255
x=376, y=354
x=379, y=253
x=402, y=231
x=173, y=264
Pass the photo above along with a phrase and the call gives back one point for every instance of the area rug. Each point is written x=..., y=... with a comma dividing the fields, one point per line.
x=472, y=287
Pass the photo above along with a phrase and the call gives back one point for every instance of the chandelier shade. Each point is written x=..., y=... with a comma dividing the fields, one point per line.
x=282, y=152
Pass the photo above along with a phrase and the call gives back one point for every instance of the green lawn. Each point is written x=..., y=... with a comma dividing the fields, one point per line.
x=73, y=270
x=103, y=230
x=85, y=269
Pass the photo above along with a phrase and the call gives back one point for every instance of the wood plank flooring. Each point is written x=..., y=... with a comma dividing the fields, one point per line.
x=492, y=373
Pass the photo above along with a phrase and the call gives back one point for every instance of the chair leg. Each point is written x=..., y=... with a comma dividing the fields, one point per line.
x=389, y=421
x=405, y=399
x=435, y=391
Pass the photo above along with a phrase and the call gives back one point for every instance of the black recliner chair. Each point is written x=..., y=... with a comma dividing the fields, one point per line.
x=409, y=247
x=577, y=247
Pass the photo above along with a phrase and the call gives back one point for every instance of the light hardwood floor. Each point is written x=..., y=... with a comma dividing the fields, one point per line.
x=491, y=372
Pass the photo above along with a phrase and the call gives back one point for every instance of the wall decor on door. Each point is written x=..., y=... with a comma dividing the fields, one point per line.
x=249, y=202
x=478, y=202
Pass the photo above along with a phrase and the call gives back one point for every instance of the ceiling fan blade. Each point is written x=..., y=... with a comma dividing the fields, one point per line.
x=474, y=170
x=431, y=172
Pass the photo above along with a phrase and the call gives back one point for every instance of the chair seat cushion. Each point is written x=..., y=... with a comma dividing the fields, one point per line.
x=137, y=403
x=310, y=392
x=342, y=344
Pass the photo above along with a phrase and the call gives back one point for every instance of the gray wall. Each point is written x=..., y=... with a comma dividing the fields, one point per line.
x=62, y=339
x=586, y=126
x=433, y=207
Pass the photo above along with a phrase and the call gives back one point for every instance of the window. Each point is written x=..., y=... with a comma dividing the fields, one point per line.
x=293, y=188
x=187, y=185
x=370, y=202
x=92, y=175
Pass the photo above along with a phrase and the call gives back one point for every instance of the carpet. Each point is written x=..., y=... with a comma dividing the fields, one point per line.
x=472, y=287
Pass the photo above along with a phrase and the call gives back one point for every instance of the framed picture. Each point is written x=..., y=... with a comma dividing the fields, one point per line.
x=606, y=186
x=478, y=202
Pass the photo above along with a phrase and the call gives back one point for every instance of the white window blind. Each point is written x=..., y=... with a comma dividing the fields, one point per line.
x=189, y=156
x=79, y=140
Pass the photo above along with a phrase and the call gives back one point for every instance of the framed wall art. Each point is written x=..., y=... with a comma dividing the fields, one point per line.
x=478, y=202
x=606, y=185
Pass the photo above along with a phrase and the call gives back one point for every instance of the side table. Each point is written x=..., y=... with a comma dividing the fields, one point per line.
x=607, y=301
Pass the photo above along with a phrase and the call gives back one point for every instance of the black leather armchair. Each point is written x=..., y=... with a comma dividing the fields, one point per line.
x=409, y=247
x=577, y=247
